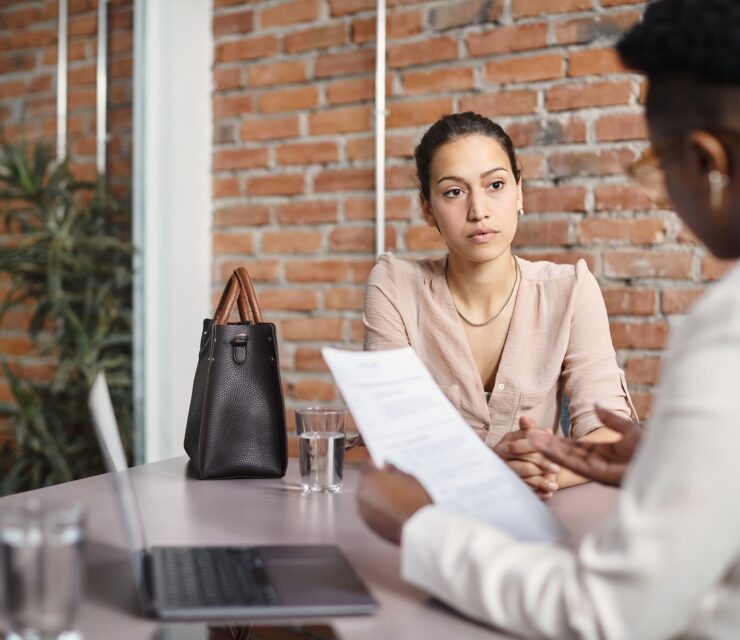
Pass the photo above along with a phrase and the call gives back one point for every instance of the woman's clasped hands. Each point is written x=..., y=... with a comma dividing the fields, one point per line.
x=531, y=466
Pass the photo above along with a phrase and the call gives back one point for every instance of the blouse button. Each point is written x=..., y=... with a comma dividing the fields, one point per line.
x=501, y=385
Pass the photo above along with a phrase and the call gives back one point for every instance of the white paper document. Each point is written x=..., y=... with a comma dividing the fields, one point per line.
x=407, y=421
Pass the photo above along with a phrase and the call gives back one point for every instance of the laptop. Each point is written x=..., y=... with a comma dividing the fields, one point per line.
x=219, y=583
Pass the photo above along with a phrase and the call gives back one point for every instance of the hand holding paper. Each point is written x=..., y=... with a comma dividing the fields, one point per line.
x=406, y=420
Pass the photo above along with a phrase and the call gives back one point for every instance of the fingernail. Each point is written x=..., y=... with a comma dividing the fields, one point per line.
x=554, y=468
x=553, y=486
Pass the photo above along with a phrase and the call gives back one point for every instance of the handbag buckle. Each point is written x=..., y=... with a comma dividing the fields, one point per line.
x=239, y=341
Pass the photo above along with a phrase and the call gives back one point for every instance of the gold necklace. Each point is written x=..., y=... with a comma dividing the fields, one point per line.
x=495, y=315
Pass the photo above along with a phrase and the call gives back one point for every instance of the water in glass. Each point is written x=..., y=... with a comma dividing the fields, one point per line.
x=321, y=459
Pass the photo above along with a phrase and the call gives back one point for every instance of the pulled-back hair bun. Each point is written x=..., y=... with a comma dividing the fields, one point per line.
x=678, y=37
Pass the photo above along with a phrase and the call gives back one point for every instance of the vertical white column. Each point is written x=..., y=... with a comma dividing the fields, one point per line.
x=380, y=129
x=172, y=213
x=62, y=82
x=101, y=126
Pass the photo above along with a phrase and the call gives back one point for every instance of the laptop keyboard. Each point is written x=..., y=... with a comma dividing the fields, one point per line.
x=204, y=577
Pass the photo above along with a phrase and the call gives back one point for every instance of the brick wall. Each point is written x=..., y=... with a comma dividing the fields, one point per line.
x=28, y=56
x=293, y=159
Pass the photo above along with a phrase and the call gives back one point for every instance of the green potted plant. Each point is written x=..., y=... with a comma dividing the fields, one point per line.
x=66, y=257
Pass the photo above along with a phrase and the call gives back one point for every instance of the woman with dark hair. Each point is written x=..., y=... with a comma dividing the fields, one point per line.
x=505, y=338
x=667, y=562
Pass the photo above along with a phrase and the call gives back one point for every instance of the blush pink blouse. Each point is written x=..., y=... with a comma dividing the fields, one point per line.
x=558, y=342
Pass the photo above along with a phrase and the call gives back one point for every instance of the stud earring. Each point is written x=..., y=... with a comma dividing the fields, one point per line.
x=520, y=212
x=717, y=184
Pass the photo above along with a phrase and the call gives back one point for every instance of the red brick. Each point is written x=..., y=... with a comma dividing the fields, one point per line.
x=459, y=14
x=522, y=8
x=532, y=165
x=225, y=188
x=15, y=345
x=289, y=13
x=354, y=90
x=291, y=242
x=234, y=159
x=31, y=39
x=360, y=270
x=643, y=404
x=633, y=231
x=342, y=120
x=554, y=199
x=582, y=30
x=639, y=335
x=508, y=39
x=259, y=270
x=542, y=233
x=81, y=98
x=622, y=126
x=525, y=69
x=337, y=64
x=285, y=184
x=620, y=197
x=276, y=73
x=569, y=164
x=596, y=94
x=398, y=25
x=289, y=99
x=344, y=7
x=247, y=49
x=232, y=105
x=312, y=328
x=307, y=359
x=400, y=177
x=344, y=180
x=548, y=132
x=424, y=52
x=679, y=300
x=409, y=114
x=226, y=243
x=307, y=153
x=308, y=212
x=630, y=301
x=593, y=62
x=288, y=300
x=505, y=103
x=16, y=62
x=242, y=216
x=359, y=239
x=438, y=80
x=82, y=26
x=121, y=68
x=317, y=271
x=13, y=89
x=648, y=264
x=614, y=3
x=271, y=129
x=344, y=299
x=396, y=208
x=318, y=38
x=229, y=78
x=643, y=371
x=424, y=238
x=235, y=22
x=317, y=390
x=21, y=18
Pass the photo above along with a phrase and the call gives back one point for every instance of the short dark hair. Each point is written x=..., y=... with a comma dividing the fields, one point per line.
x=700, y=38
x=451, y=127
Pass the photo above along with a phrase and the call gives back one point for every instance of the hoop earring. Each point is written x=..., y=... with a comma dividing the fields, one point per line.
x=520, y=212
x=717, y=184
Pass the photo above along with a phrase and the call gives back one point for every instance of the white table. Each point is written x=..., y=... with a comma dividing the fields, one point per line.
x=180, y=510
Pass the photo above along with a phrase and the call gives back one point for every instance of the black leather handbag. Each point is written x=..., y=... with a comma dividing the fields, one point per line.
x=236, y=423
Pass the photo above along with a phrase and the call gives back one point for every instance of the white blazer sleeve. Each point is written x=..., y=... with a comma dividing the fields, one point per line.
x=653, y=570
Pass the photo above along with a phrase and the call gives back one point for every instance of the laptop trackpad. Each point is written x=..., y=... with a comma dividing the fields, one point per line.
x=312, y=575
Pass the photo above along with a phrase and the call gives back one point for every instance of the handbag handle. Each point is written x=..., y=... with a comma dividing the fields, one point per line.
x=239, y=289
x=232, y=294
x=246, y=286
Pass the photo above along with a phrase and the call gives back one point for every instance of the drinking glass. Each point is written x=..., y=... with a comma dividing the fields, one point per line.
x=321, y=446
x=41, y=558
